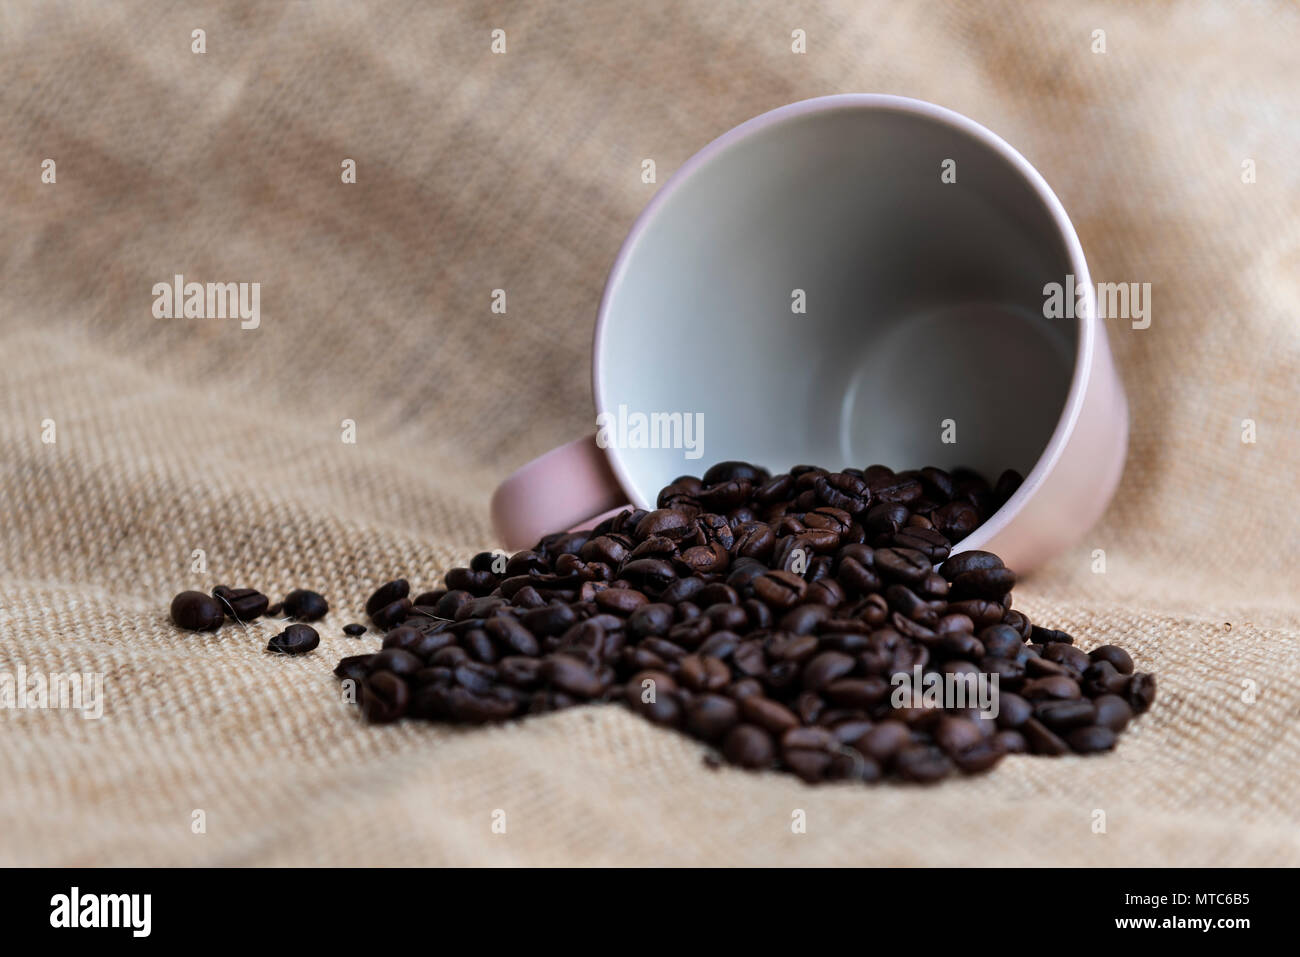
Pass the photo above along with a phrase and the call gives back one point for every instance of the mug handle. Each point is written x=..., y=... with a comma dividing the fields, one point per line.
x=568, y=488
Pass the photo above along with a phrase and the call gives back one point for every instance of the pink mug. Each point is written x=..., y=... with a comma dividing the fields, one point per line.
x=844, y=281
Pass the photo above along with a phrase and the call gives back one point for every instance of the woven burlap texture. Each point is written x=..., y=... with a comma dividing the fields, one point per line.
x=522, y=171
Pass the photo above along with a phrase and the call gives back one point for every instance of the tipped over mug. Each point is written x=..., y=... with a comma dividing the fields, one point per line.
x=845, y=281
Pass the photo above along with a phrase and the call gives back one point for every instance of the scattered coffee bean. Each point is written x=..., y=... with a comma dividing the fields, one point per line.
x=195, y=611
x=241, y=604
x=294, y=640
x=354, y=630
x=303, y=605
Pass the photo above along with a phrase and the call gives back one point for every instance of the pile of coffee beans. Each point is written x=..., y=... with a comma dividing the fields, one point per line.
x=196, y=611
x=768, y=615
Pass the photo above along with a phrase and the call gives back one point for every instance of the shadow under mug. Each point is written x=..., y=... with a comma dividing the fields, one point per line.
x=844, y=281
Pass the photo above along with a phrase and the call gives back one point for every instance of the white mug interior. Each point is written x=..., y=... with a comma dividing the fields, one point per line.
x=918, y=245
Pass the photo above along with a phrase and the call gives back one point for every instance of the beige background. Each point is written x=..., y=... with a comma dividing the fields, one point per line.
x=522, y=171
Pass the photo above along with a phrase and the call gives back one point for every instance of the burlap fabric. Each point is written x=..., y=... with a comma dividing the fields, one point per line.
x=522, y=171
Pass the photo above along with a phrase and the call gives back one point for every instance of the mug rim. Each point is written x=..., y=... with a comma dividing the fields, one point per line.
x=1086, y=339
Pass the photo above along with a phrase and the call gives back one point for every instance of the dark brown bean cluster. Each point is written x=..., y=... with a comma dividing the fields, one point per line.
x=196, y=611
x=766, y=615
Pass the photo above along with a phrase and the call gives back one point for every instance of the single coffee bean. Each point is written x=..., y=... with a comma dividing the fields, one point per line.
x=354, y=630
x=1113, y=712
x=1042, y=636
x=712, y=715
x=969, y=562
x=1116, y=656
x=1090, y=739
x=573, y=677
x=1012, y=742
x=749, y=746
x=826, y=668
x=386, y=594
x=769, y=714
x=385, y=697
x=195, y=611
x=1101, y=678
x=392, y=614
x=1055, y=686
x=1141, y=692
x=353, y=668
x=1041, y=740
x=906, y=565
x=305, y=605
x=294, y=640
x=1013, y=710
x=923, y=764
x=1061, y=716
x=241, y=604
x=399, y=660
x=779, y=589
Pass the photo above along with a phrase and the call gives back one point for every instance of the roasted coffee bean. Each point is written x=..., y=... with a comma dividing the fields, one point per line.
x=620, y=601
x=353, y=667
x=397, y=660
x=1061, y=716
x=354, y=630
x=1041, y=740
x=385, y=697
x=241, y=604
x=574, y=677
x=970, y=561
x=767, y=713
x=923, y=764
x=1113, y=712
x=703, y=674
x=386, y=594
x=1090, y=739
x=1001, y=641
x=905, y=565
x=1074, y=661
x=195, y=611
x=779, y=589
x=955, y=520
x=403, y=636
x=749, y=746
x=512, y=636
x=1042, y=636
x=982, y=755
x=712, y=715
x=392, y=614
x=1101, y=678
x=1057, y=687
x=925, y=540
x=827, y=667
x=650, y=575
x=1117, y=657
x=294, y=640
x=1141, y=692
x=1012, y=742
x=955, y=735
x=1013, y=710
x=991, y=583
x=1019, y=622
